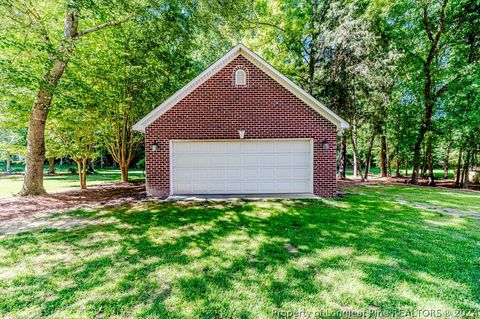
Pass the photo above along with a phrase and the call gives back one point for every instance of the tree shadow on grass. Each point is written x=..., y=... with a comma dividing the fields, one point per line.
x=229, y=259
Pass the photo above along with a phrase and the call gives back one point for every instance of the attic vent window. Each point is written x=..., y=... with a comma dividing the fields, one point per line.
x=240, y=77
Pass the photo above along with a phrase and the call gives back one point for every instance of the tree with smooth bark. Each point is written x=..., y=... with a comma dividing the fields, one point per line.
x=24, y=14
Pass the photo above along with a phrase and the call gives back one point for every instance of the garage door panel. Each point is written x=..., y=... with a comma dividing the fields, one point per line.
x=250, y=172
x=283, y=172
x=266, y=187
x=233, y=187
x=298, y=185
x=200, y=174
x=250, y=187
x=232, y=147
x=267, y=147
x=233, y=173
x=182, y=174
x=215, y=174
x=183, y=148
x=283, y=160
x=267, y=160
x=300, y=172
x=182, y=187
x=266, y=172
x=232, y=160
x=283, y=186
x=216, y=160
x=217, y=187
x=250, y=159
x=200, y=188
x=235, y=167
x=299, y=159
x=216, y=148
x=250, y=147
x=199, y=148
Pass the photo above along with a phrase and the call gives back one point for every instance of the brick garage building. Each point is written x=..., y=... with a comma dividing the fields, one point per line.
x=240, y=127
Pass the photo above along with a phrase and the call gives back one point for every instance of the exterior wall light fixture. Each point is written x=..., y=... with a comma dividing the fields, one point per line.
x=325, y=144
x=155, y=147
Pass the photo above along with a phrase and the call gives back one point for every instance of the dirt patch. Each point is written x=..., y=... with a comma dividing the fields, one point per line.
x=440, y=210
x=105, y=195
x=291, y=249
x=61, y=222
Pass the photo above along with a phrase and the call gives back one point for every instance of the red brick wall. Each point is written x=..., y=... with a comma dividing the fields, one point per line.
x=218, y=109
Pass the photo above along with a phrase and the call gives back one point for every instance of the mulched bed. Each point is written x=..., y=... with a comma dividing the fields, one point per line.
x=102, y=195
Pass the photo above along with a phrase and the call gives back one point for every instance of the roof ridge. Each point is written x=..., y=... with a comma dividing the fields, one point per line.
x=256, y=60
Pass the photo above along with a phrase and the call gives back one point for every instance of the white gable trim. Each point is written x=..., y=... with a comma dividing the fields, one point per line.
x=258, y=62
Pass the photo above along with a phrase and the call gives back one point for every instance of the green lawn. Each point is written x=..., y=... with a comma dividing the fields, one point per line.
x=249, y=259
x=10, y=185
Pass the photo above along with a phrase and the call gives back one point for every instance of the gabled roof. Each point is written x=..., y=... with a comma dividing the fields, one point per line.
x=240, y=49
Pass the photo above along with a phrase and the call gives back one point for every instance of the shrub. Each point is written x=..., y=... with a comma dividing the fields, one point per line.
x=140, y=164
x=476, y=178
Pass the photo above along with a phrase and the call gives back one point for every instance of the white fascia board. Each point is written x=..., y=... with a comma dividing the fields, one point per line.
x=258, y=62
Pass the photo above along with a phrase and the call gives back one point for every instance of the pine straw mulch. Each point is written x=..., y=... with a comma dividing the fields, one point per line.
x=105, y=195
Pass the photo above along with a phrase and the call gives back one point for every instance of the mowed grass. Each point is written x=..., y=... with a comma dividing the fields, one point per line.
x=468, y=201
x=12, y=184
x=248, y=259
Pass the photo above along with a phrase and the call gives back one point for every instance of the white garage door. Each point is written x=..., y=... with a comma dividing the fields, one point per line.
x=241, y=167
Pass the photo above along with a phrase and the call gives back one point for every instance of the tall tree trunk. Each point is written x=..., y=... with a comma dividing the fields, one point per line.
x=8, y=167
x=459, y=167
x=466, y=170
x=429, y=93
x=389, y=162
x=355, y=152
x=33, y=180
x=426, y=122
x=397, y=166
x=83, y=182
x=383, y=156
x=406, y=168
x=80, y=171
x=102, y=162
x=342, y=167
x=51, y=166
x=122, y=145
x=124, y=172
x=423, y=172
x=356, y=160
x=369, y=156
x=431, y=177
x=446, y=162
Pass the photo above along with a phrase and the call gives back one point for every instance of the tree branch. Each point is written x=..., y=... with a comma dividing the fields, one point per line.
x=434, y=45
x=426, y=23
x=441, y=24
x=102, y=26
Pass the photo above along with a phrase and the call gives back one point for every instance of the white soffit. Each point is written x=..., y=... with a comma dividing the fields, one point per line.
x=240, y=49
